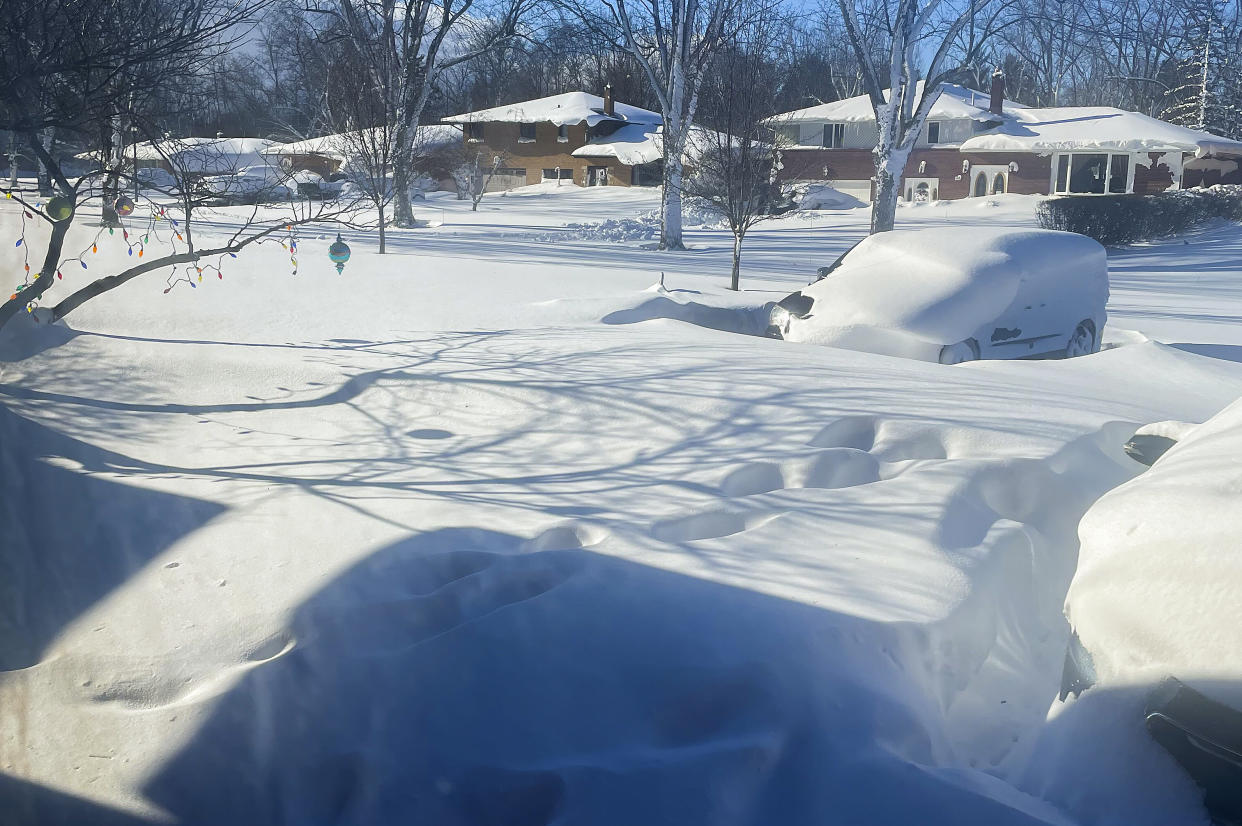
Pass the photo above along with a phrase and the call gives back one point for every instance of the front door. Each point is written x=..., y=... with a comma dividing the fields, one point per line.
x=597, y=176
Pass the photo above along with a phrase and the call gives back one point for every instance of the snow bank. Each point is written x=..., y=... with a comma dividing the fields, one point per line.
x=825, y=197
x=910, y=292
x=1159, y=583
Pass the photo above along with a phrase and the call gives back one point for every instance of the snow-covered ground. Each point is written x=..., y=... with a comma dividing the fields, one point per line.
x=481, y=532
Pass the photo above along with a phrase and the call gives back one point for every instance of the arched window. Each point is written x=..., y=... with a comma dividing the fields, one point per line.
x=922, y=193
x=981, y=185
x=998, y=183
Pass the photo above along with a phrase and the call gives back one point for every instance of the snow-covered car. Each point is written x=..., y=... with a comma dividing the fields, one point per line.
x=1154, y=601
x=250, y=185
x=956, y=294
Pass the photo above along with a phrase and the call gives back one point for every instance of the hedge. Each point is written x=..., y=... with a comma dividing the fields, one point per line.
x=1123, y=219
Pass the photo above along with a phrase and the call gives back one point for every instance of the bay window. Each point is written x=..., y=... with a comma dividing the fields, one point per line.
x=1091, y=173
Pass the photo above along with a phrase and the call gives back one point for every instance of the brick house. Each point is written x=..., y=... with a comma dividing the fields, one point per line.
x=573, y=137
x=976, y=144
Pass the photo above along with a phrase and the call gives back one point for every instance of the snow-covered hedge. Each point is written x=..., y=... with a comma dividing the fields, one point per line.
x=1124, y=219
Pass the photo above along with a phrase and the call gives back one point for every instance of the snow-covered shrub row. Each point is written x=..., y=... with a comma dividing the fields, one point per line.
x=613, y=229
x=1124, y=219
x=644, y=227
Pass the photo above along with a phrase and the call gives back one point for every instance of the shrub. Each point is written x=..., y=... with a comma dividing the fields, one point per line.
x=1124, y=219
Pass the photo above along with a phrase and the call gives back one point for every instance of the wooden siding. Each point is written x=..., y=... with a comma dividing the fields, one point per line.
x=544, y=152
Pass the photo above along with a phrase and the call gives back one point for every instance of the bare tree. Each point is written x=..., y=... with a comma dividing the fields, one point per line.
x=82, y=65
x=415, y=34
x=900, y=100
x=734, y=166
x=673, y=42
x=472, y=175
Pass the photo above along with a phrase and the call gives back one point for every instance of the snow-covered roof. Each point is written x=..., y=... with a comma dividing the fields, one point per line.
x=194, y=148
x=639, y=143
x=210, y=156
x=568, y=108
x=1095, y=127
x=953, y=102
x=633, y=144
x=338, y=145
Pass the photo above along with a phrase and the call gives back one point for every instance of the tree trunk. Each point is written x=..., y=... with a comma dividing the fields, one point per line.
x=47, y=274
x=890, y=163
x=736, y=282
x=402, y=210
x=670, y=206
x=12, y=160
x=45, y=174
x=381, y=227
x=884, y=208
x=111, y=188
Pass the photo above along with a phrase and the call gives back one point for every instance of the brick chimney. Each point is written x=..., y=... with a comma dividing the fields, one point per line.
x=608, y=107
x=998, y=93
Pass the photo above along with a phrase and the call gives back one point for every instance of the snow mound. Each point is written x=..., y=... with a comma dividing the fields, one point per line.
x=909, y=292
x=1160, y=573
x=825, y=197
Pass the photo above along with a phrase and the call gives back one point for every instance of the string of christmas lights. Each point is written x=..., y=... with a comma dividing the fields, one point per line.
x=59, y=208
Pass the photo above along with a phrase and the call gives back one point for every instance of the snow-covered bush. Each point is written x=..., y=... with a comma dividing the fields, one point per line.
x=1124, y=219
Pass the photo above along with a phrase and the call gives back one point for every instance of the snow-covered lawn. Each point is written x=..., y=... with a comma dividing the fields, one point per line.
x=478, y=532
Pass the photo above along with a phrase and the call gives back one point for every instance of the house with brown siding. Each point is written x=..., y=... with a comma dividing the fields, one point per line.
x=574, y=137
x=975, y=144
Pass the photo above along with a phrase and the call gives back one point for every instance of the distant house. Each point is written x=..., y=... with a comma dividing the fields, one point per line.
x=329, y=155
x=574, y=137
x=976, y=144
x=200, y=157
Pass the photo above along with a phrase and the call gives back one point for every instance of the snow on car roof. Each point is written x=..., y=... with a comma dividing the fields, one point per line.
x=564, y=109
x=1096, y=127
x=953, y=102
x=940, y=284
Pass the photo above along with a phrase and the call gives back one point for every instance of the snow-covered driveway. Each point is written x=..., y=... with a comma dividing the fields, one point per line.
x=434, y=542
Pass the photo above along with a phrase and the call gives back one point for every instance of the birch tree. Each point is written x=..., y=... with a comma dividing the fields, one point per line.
x=422, y=38
x=924, y=33
x=674, y=43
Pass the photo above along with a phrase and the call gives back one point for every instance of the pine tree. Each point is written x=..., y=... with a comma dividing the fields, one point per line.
x=1207, y=91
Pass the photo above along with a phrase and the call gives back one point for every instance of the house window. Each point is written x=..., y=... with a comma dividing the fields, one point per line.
x=563, y=173
x=1092, y=173
x=526, y=133
x=1118, y=173
x=834, y=135
x=787, y=135
x=933, y=131
x=562, y=133
x=998, y=183
x=474, y=131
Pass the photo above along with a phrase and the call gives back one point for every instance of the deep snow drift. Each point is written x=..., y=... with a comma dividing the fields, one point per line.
x=478, y=532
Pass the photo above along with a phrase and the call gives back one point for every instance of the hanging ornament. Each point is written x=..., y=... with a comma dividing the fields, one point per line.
x=124, y=206
x=339, y=253
x=59, y=208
